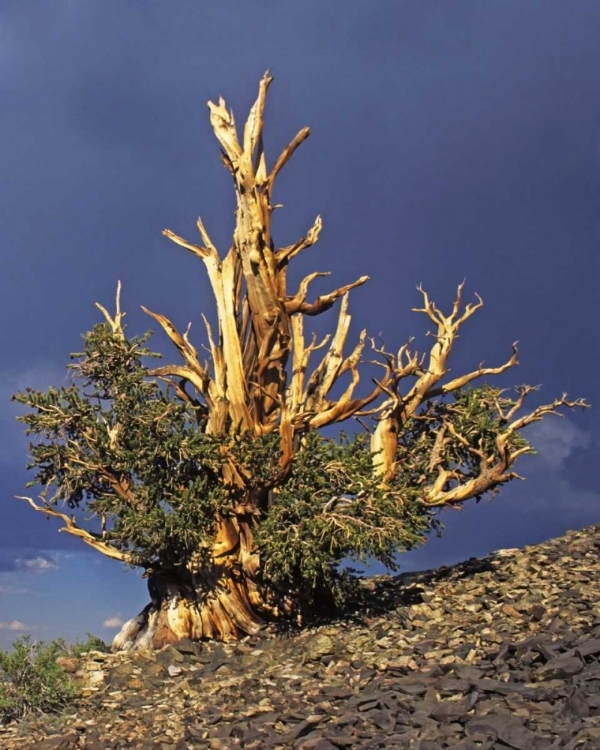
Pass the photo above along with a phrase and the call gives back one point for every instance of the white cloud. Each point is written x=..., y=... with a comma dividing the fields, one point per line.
x=113, y=622
x=556, y=439
x=16, y=626
x=38, y=564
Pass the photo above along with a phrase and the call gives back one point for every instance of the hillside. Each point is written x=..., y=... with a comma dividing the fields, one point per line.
x=500, y=652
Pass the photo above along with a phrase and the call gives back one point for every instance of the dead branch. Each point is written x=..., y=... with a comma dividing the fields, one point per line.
x=398, y=409
x=285, y=254
x=286, y=155
x=114, y=322
x=323, y=302
x=493, y=468
x=90, y=538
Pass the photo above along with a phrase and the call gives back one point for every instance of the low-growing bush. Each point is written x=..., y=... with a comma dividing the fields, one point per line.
x=31, y=680
x=92, y=643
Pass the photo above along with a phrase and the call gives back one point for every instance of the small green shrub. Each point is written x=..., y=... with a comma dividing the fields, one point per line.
x=92, y=643
x=31, y=680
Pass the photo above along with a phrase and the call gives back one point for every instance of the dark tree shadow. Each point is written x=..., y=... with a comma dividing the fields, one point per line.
x=380, y=595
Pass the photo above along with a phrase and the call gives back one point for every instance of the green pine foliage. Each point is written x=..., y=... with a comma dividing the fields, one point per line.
x=116, y=429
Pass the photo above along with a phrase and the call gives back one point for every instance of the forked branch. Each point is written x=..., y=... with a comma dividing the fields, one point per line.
x=398, y=408
x=256, y=336
x=90, y=538
x=285, y=254
x=450, y=487
x=114, y=322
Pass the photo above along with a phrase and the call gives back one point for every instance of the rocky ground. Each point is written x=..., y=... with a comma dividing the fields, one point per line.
x=502, y=652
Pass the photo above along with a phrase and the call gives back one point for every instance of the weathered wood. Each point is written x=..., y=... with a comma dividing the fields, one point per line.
x=222, y=600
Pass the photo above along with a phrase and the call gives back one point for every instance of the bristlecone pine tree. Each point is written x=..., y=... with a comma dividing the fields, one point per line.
x=214, y=477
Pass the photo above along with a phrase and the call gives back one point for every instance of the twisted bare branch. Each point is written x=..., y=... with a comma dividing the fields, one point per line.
x=90, y=538
x=494, y=467
x=114, y=322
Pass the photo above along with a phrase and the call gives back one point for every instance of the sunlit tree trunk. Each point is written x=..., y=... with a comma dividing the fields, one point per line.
x=222, y=601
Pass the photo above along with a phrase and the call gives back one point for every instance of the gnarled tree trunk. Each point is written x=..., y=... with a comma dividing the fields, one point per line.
x=223, y=600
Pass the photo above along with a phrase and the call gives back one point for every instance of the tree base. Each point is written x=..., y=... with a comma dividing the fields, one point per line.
x=219, y=607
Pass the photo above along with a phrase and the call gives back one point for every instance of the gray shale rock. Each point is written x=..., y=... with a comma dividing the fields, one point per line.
x=501, y=652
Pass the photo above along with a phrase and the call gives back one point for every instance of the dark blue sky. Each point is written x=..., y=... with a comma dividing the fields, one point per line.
x=449, y=140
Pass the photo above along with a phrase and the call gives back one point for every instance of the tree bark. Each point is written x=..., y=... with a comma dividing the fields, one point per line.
x=224, y=600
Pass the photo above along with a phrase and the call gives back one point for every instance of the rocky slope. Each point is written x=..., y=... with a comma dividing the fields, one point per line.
x=501, y=652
